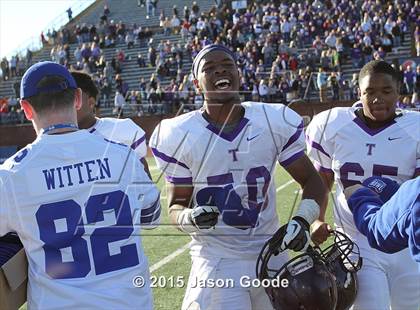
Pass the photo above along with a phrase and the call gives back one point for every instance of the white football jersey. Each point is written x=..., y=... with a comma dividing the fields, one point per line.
x=234, y=171
x=77, y=201
x=340, y=142
x=122, y=130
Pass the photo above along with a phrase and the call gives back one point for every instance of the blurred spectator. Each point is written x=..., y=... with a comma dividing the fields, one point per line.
x=43, y=39
x=321, y=82
x=13, y=66
x=106, y=10
x=175, y=24
x=354, y=87
x=263, y=90
x=5, y=69
x=86, y=51
x=129, y=39
x=335, y=85
x=121, y=85
x=356, y=56
x=119, y=103
x=16, y=88
x=152, y=55
x=29, y=55
x=69, y=14
x=140, y=61
x=166, y=26
x=409, y=79
x=195, y=10
x=4, y=106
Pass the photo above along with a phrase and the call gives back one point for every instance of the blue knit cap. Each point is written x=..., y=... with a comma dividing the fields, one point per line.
x=207, y=49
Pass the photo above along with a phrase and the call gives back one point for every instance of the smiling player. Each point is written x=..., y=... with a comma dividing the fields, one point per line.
x=219, y=165
x=349, y=145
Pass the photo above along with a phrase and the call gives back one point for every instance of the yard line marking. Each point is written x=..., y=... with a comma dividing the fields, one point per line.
x=168, y=258
x=284, y=185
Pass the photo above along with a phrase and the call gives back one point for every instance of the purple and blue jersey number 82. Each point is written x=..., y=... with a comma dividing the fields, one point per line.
x=72, y=239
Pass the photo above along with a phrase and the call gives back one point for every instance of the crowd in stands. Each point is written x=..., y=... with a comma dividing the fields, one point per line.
x=284, y=51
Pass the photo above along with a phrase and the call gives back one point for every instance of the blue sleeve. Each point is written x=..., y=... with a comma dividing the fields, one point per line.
x=388, y=227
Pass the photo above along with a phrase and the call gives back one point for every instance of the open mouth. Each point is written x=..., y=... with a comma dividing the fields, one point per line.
x=222, y=84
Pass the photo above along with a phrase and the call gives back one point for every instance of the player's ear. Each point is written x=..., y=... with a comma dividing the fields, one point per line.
x=78, y=99
x=27, y=109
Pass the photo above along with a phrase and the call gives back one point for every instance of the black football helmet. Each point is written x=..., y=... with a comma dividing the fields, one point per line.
x=311, y=285
x=343, y=259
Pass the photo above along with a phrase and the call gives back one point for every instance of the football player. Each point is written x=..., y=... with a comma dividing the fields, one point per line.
x=349, y=145
x=219, y=165
x=120, y=130
x=387, y=215
x=76, y=201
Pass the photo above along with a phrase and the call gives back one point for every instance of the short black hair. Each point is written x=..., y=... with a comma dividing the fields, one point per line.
x=378, y=66
x=52, y=100
x=85, y=83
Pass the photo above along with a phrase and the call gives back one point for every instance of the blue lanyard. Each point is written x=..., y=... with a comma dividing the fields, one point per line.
x=58, y=126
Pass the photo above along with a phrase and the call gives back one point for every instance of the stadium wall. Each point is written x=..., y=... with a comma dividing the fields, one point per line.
x=21, y=135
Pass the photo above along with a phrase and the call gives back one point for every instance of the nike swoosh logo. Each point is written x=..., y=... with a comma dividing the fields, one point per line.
x=249, y=139
x=391, y=139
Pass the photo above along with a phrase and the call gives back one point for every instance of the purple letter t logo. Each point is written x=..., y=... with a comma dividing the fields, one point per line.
x=370, y=146
x=234, y=154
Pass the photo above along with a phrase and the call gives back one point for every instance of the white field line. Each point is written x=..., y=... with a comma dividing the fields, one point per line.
x=284, y=185
x=168, y=258
x=179, y=251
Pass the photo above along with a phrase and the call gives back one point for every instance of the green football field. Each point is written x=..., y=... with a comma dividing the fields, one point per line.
x=166, y=249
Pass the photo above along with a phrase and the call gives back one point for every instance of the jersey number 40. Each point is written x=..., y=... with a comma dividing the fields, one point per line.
x=222, y=194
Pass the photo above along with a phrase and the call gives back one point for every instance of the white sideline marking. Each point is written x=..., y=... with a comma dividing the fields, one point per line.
x=179, y=251
x=284, y=185
x=168, y=258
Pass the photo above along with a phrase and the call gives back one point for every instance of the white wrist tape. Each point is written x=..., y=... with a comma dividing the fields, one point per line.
x=185, y=223
x=308, y=210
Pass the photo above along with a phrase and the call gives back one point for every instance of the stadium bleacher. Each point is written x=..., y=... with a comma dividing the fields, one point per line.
x=129, y=12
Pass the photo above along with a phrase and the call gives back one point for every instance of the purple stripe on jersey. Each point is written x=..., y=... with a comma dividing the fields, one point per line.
x=291, y=159
x=138, y=142
x=322, y=169
x=317, y=146
x=92, y=130
x=176, y=180
x=294, y=137
x=151, y=217
x=221, y=179
x=150, y=210
x=230, y=136
x=371, y=131
x=168, y=159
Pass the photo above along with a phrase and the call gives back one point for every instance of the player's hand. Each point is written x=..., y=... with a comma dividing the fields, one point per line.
x=320, y=232
x=204, y=217
x=297, y=236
